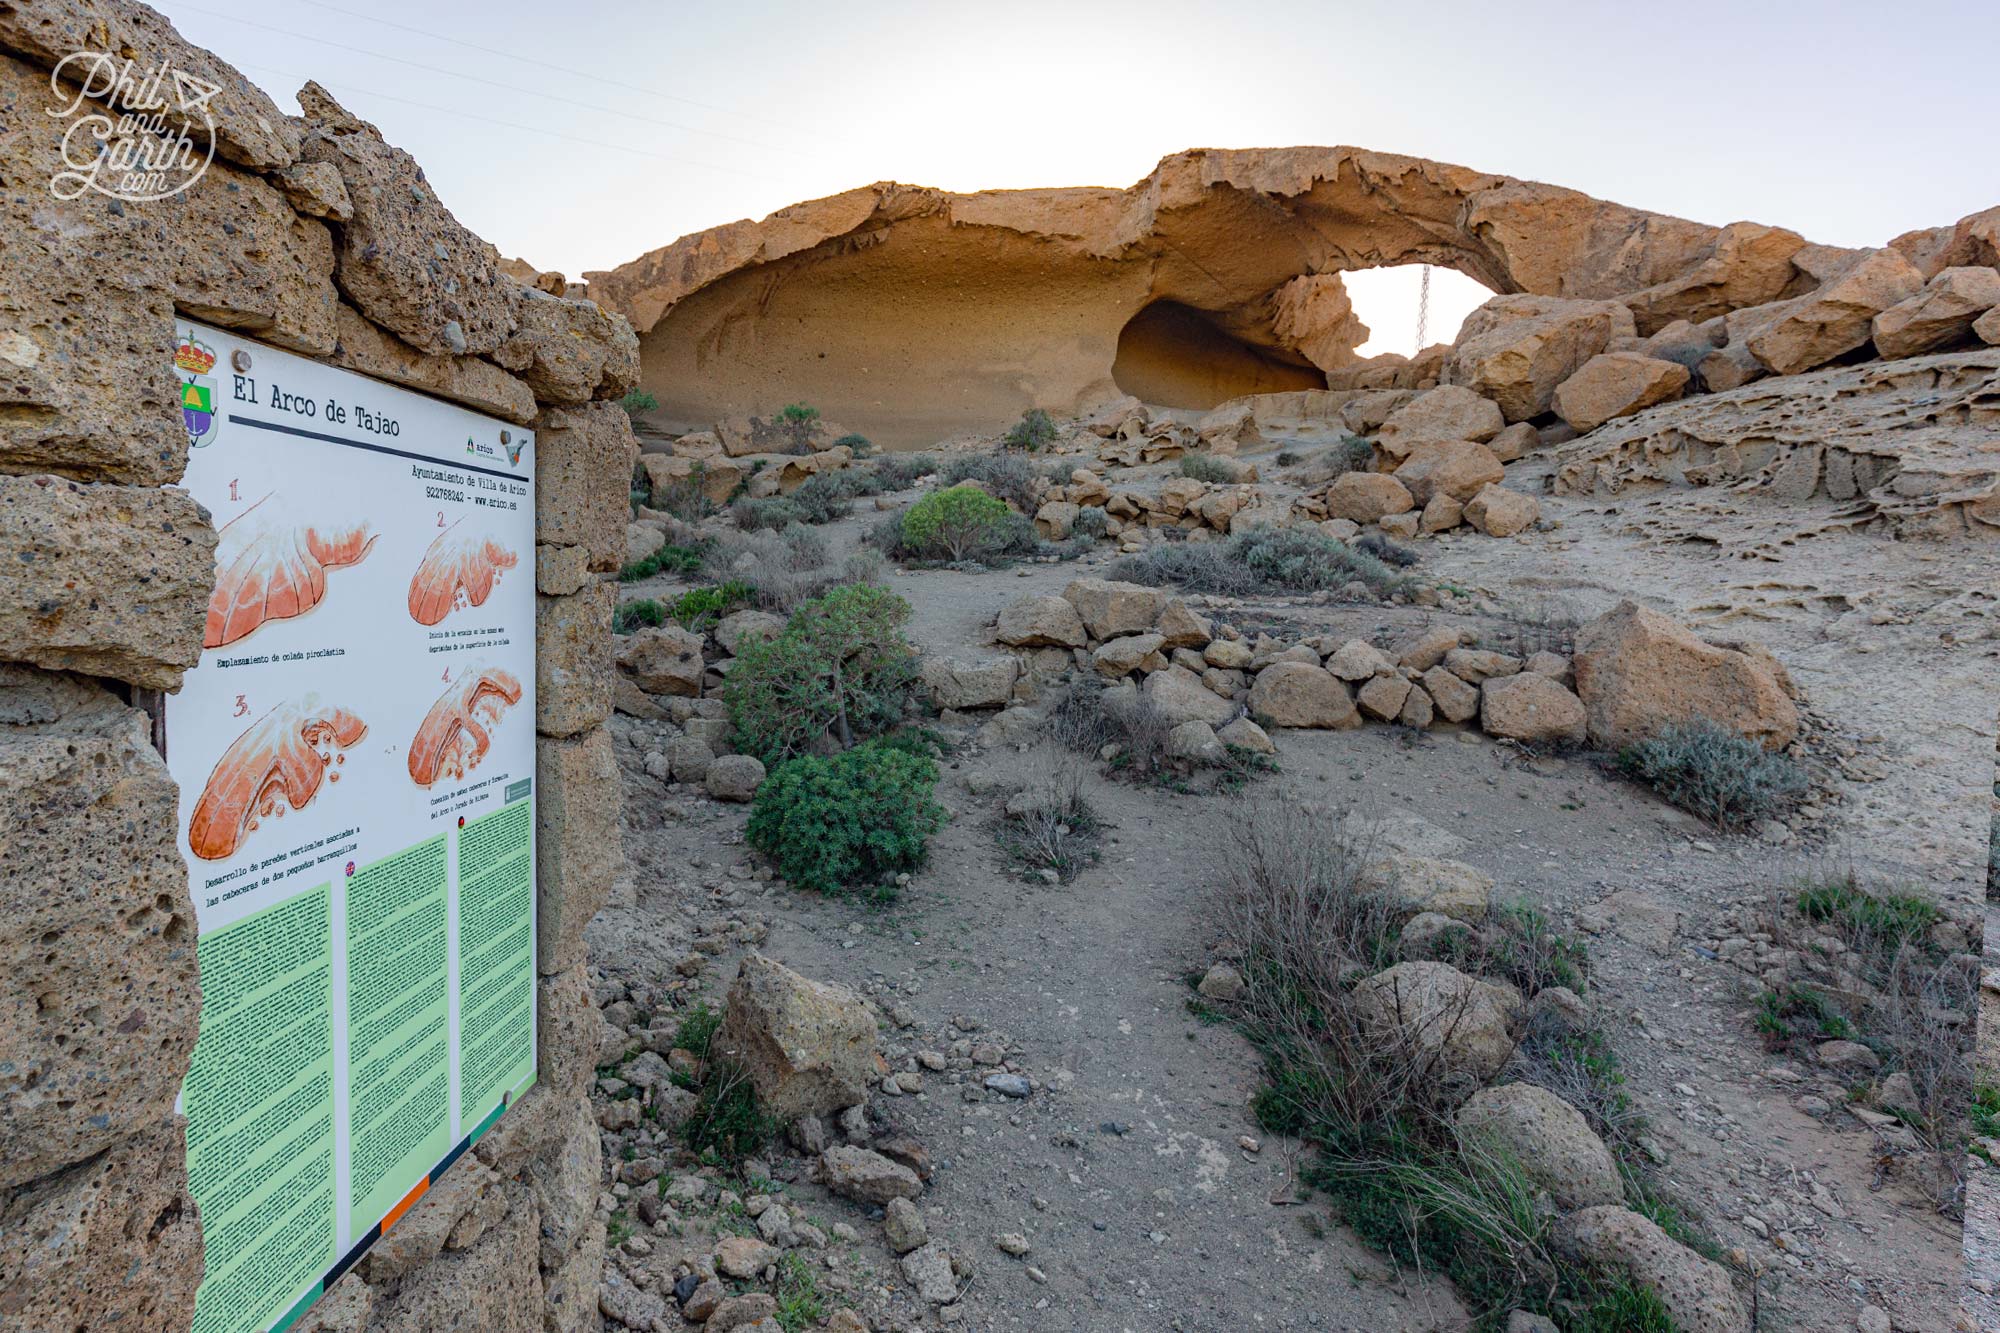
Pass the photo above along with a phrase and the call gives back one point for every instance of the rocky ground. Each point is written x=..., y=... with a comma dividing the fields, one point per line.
x=1144, y=1192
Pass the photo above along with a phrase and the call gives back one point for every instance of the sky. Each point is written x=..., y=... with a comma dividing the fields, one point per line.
x=580, y=135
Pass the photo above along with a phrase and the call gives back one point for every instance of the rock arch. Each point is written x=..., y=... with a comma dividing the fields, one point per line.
x=1023, y=298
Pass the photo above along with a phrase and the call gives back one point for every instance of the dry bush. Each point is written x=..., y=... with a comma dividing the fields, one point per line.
x=788, y=568
x=1548, y=623
x=1056, y=830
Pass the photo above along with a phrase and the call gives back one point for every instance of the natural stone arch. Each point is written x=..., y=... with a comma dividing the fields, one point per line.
x=1020, y=298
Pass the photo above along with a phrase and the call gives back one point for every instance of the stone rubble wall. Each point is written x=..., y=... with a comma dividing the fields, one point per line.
x=314, y=234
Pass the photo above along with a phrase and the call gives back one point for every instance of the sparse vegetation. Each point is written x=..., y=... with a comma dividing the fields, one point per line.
x=1009, y=476
x=848, y=822
x=1089, y=719
x=841, y=668
x=820, y=498
x=1712, y=772
x=726, y=1122
x=861, y=445
x=1034, y=432
x=686, y=498
x=669, y=558
x=1872, y=971
x=639, y=401
x=796, y=423
x=896, y=472
x=697, y=609
x=1378, y=1109
x=1264, y=560
x=1053, y=832
x=1205, y=467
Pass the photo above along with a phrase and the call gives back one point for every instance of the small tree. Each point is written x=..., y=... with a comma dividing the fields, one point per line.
x=639, y=401
x=841, y=667
x=956, y=523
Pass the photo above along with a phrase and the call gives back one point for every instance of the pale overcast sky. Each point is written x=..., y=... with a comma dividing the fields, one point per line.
x=578, y=134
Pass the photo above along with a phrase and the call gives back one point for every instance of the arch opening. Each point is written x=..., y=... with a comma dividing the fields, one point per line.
x=1173, y=355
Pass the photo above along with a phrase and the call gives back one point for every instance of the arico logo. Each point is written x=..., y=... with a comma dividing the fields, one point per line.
x=194, y=359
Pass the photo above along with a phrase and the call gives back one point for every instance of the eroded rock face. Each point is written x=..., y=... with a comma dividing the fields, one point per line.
x=95, y=918
x=110, y=580
x=1516, y=350
x=808, y=1047
x=1215, y=276
x=1907, y=443
x=403, y=259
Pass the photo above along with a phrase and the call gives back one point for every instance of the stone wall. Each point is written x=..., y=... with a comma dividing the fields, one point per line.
x=314, y=234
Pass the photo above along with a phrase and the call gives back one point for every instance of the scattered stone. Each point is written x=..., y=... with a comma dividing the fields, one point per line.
x=1697, y=1293
x=1461, y=1021
x=928, y=1269
x=866, y=1176
x=735, y=777
x=1008, y=1085
x=1040, y=622
x=903, y=1224
x=808, y=1047
x=1532, y=708
x=1293, y=694
x=1221, y=982
x=744, y=1256
x=1549, y=1139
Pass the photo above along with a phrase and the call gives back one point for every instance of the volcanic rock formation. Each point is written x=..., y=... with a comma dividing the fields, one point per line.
x=1215, y=276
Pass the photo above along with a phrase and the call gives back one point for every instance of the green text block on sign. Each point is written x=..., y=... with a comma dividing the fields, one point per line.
x=398, y=1045
x=496, y=956
x=259, y=1099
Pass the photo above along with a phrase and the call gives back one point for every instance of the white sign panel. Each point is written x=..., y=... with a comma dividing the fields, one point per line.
x=356, y=759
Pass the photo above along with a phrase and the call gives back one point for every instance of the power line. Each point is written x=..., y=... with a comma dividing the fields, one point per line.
x=510, y=125
x=597, y=78
x=470, y=78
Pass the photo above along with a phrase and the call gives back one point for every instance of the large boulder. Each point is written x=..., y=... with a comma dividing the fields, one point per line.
x=1531, y=707
x=1637, y=671
x=734, y=777
x=1458, y=468
x=1296, y=694
x=1432, y=884
x=1617, y=384
x=1517, y=349
x=1697, y=1293
x=717, y=478
x=1839, y=317
x=1040, y=622
x=1497, y=511
x=1547, y=1138
x=1109, y=609
x=808, y=1047
x=986, y=683
x=1459, y=1022
x=1363, y=497
x=663, y=659
x=1938, y=316
x=1181, y=697
x=1448, y=412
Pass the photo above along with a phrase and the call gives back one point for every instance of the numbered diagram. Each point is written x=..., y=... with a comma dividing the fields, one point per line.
x=457, y=732
x=279, y=764
x=459, y=570
x=271, y=566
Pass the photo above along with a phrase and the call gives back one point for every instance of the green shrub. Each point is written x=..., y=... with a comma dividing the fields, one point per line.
x=1092, y=524
x=642, y=614
x=699, y=608
x=841, y=666
x=1891, y=919
x=1263, y=560
x=820, y=498
x=639, y=401
x=955, y=524
x=1712, y=772
x=853, y=820
x=861, y=445
x=678, y=559
x=1204, y=467
x=798, y=414
x=1033, y=432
